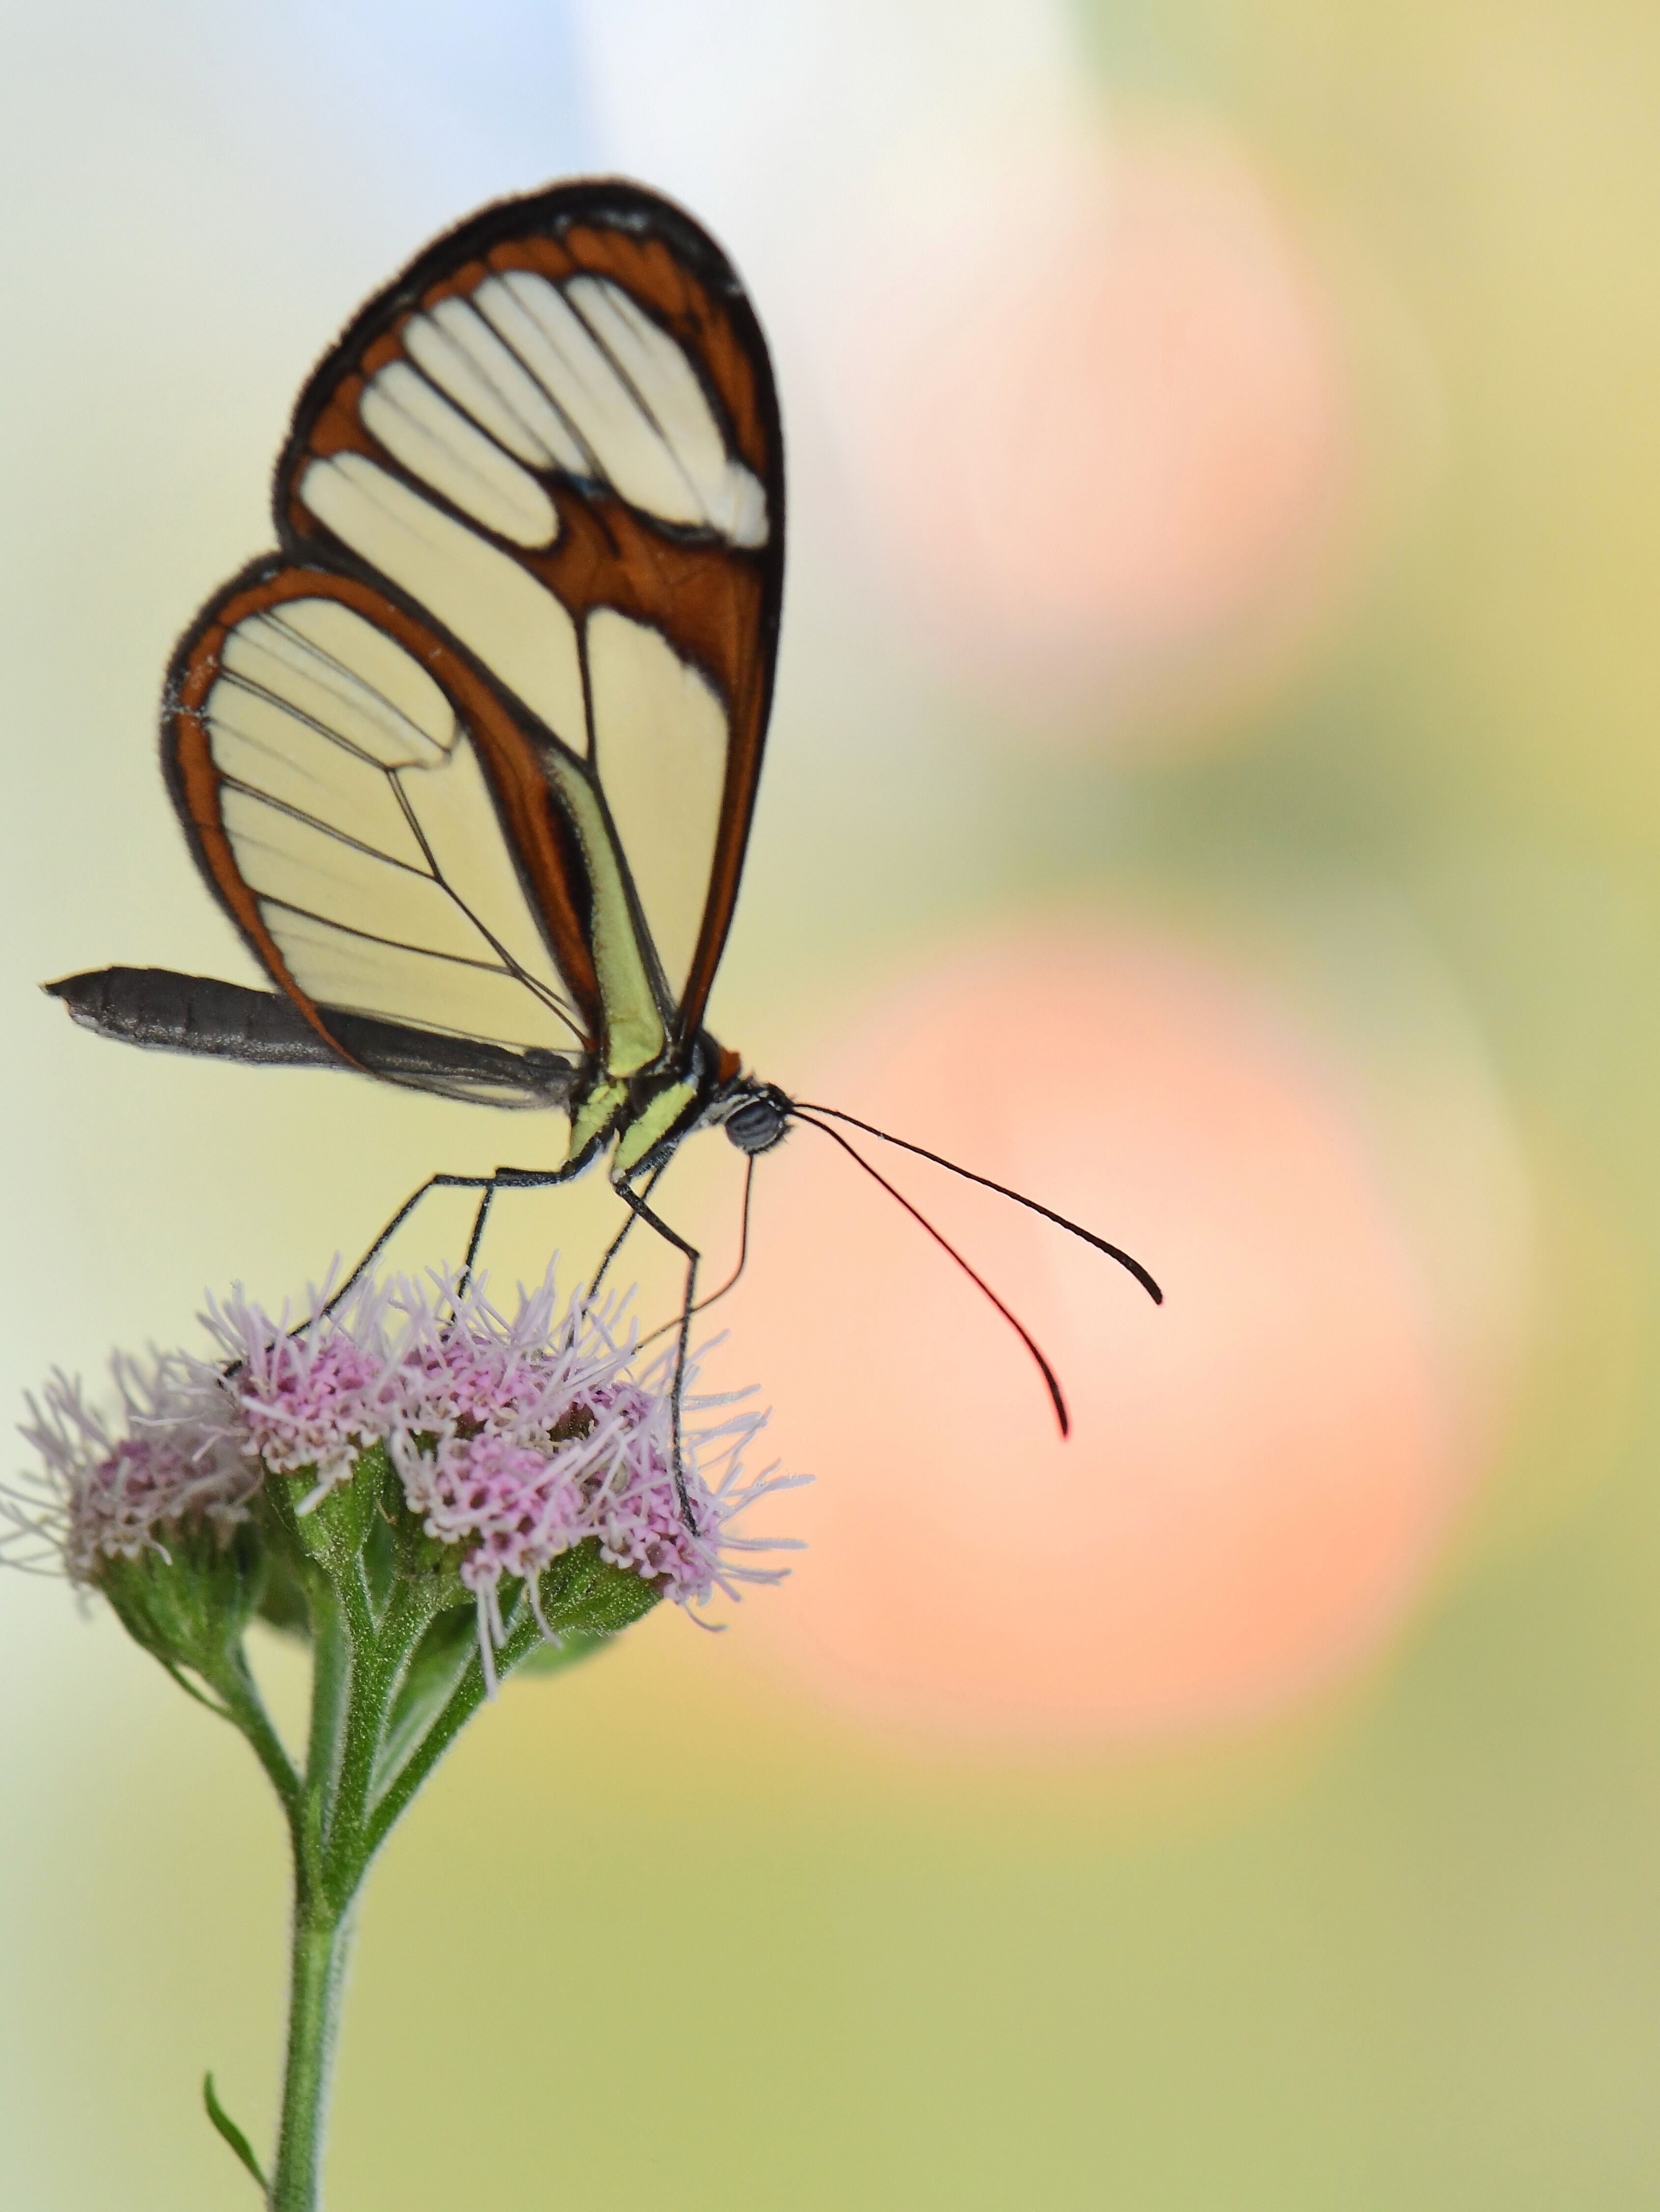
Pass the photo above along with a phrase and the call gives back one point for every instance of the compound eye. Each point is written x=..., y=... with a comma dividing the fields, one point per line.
x=756, y=1125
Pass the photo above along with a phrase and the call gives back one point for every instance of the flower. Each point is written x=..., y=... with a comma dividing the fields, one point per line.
x=101, y=1495
x=513, y=1440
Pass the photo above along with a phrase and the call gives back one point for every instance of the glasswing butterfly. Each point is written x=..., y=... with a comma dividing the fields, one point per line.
x=471, y=760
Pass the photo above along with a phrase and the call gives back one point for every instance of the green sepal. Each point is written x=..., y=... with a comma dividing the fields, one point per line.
x=585, y=1601
x=574, y=1645
x=284, y=1602
x=420, y=1561
x=335, y=1530
x=189, y=1604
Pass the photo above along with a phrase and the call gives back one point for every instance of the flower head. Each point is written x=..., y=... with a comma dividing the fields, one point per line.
x=513, y=1440
x=101, y=1494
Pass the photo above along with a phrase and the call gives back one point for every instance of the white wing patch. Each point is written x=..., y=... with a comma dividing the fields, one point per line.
x=463, y=355
x=435, y=441
x=512, y=625
x=356, y=807
x=397, y=714
x=661, y=749
x=358, y=813
x=572, y=378
x=663, y=386
x=578, y=379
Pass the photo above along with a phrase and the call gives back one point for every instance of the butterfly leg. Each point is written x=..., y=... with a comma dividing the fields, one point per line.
x=616, y=1244
x=486, y=1183
x=503, y=1179
x=732, y=1281
x=637, y=1206
x=530, y=1179
x=477, y=1236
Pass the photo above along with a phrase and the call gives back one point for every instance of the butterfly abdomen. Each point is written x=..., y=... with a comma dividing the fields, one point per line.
x=162, y=1011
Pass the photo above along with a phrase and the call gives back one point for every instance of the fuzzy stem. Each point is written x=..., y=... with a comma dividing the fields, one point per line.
x=321, y=1908
x=358, y=1665
x=331, y=1691
x=246, y=1708
x=321, y=1935
x=380, y=1661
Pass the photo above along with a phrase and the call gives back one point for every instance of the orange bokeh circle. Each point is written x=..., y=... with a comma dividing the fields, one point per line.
x=1261, y=1472
x=1105, y=429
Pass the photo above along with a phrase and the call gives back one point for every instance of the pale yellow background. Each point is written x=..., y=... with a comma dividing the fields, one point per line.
x=684, y=1930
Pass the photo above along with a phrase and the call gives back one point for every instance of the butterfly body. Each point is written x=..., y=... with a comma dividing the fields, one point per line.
x=645, y=1120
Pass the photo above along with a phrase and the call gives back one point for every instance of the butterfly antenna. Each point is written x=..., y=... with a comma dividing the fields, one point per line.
x=968, y=1174
x=979, y=1281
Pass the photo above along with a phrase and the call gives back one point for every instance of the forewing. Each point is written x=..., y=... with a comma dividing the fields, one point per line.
x=378, y=826
x=553, y=440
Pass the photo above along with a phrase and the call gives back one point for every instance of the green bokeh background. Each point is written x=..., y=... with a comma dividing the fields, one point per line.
x=668, y=1932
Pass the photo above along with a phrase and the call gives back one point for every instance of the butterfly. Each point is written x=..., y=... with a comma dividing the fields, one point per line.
x=469, y=761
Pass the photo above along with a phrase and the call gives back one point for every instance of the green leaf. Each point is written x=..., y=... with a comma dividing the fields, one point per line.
x=232, y=2134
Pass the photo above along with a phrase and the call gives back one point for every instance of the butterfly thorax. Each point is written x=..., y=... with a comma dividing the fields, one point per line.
x=646, y=1116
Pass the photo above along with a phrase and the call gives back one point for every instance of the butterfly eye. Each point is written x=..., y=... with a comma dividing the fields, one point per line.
x=758, y=1125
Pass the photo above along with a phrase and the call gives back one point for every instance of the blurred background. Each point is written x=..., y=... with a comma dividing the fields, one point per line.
x=1214, y=786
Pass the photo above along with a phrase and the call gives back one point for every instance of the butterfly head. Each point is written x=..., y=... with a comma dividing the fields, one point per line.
x=754, y=1115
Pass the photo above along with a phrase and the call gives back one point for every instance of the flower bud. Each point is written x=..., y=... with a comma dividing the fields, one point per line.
x=188, y=1601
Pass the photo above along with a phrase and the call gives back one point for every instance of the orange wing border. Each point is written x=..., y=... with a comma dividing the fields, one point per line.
x=544, y=849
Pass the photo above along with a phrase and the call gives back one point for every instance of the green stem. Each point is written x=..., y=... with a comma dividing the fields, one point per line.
x=462, y=1702
x=321, y=1935
x=379, y=1660
x=245, y=1706
x=358, y=1668
x=331, y=1684
x=323, y=1892
x=337, y=1821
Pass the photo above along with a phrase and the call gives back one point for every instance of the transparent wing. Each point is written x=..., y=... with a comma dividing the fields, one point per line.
x=555, y=442
x=374, y=824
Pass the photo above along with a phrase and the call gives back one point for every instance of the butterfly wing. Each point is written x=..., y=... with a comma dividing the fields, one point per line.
x=379, y=828
x=545, y=464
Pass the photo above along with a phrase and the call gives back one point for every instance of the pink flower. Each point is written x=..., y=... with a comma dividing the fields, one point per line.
x=100, y=1495
x=514, y=1439
x=308, y=1403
